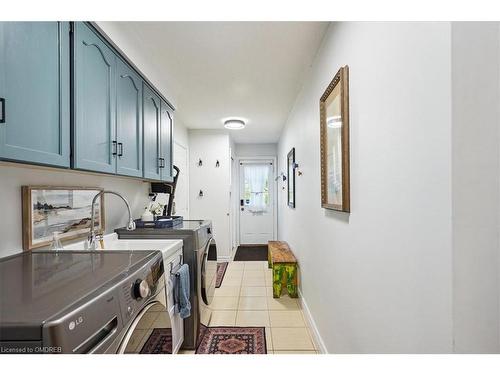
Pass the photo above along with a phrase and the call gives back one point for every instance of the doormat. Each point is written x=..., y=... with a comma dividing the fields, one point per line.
x=233, y=340
x=249, y=253
x=221, y=271
x=159, y=342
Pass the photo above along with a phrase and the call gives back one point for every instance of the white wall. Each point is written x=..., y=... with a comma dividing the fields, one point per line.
x=256, y=149
x=13, y=176
x=380, y=279
x=476, y=188
x=211, y=146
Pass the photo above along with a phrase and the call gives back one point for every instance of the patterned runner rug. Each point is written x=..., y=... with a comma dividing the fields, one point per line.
x=233, y=340
x=221, y=271
x=159, y=342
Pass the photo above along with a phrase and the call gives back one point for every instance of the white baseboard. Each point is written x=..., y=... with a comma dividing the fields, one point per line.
x=318, y=341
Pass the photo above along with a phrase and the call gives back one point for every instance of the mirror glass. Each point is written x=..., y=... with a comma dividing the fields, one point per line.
x=334, y=147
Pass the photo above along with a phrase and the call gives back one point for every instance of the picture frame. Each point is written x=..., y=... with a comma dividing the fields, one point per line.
x=290, y=178
x=334, y=143
x=66, y=209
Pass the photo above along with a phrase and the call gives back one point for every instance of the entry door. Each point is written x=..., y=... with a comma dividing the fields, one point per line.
x=256, y=202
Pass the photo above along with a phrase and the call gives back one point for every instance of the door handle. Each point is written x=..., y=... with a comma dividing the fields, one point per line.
x=162, y=163
x=242, y=202
x=114, y=148
x=120, y=149
x=2, y=109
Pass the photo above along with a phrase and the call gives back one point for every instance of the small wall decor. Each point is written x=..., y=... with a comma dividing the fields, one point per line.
x=334, y=143
x=291, y=178
x=200, y=163
x=217, y=164
x=49, y=209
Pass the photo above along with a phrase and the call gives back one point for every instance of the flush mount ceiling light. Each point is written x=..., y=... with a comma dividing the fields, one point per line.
x=234, y=124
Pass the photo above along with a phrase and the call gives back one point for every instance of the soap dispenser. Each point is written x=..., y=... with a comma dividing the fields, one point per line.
x=147, y=215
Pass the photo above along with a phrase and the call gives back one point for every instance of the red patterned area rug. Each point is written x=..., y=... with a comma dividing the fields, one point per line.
x=159, y=342
x=221, y=271
x=233, y=340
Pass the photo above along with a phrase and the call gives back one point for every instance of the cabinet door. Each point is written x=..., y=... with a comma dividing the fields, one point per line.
x=34, y=87
x=94, y=102
x=151, y=133
x=128, y=121
x=166, y=147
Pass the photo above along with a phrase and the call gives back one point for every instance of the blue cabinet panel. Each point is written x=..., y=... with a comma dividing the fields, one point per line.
x=34, y=84
x=151, y=134
x=166, y=138
x=94, y=102
x=128, y=121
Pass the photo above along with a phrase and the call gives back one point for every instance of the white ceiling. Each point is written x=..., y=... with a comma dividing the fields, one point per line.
x=248, y=70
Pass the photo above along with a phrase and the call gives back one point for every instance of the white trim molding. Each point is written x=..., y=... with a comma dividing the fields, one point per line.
x=311, y=324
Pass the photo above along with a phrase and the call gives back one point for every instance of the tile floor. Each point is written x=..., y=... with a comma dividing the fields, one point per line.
x=245, y=299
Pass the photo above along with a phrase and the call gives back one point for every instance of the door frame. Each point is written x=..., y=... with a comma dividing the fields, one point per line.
x=275, y=193
x=186, y=171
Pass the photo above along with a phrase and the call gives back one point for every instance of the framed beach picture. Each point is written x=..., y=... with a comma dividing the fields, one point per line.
x=334, y=143
x=49, y=209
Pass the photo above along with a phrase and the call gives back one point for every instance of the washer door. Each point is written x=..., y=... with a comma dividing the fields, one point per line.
x=209, y=272
x=150, y=333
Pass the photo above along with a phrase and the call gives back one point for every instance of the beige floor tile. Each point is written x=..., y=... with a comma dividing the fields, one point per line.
x=252, y=303
x=235, y=266
x=282, y=303
x=249, y=274
x=285, y=318
x=234, y=273
x=162, y=321
x=295, y=352
x=253, y=291
x=291, y=339
x=231, y=281
x=223, y=318
x=224, y=303
x=253, y=265
x=249, y=318
x=227, y=291
x=157, y=307
x=269, y=340
x=147, y=320
x=254, y=281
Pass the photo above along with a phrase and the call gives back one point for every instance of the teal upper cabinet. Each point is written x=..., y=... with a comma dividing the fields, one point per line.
x=151, y=133
x=34, y=92
x=128, y=121
x=166, y=138
x=94, y=69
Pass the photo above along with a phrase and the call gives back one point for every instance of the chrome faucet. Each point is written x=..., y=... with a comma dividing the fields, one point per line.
x=92, y=237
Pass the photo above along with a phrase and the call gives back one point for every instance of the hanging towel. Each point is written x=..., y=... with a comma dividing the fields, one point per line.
x=183, y=292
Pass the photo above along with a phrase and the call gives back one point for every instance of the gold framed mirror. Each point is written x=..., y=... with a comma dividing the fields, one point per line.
x=334, y=143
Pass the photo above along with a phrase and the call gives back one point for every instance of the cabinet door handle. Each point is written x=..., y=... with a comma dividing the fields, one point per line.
x=120, y=149
x=2, y=110
x=114, y=148
x=162, y=162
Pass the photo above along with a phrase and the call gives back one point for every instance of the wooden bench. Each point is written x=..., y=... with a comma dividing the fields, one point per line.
x=284, y=264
